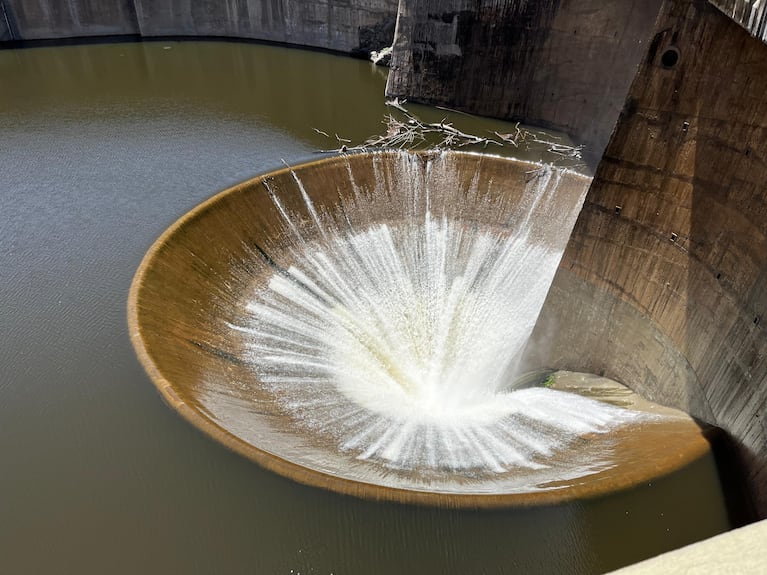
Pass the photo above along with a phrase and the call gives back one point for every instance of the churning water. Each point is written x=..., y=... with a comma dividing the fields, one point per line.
x=400, y=338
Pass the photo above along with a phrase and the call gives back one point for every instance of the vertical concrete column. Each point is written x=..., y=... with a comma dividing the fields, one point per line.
x=563, y=64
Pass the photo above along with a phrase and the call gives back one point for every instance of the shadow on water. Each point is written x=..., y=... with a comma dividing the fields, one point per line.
x=335, y=534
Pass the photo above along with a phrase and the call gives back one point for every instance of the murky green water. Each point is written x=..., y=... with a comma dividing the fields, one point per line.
x=101, y=148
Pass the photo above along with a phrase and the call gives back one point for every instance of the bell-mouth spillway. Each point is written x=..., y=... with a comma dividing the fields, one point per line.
x=283, y=318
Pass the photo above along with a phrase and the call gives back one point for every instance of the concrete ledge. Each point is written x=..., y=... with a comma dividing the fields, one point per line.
x=741, y=551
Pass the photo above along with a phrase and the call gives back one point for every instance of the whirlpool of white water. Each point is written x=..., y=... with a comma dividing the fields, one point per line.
x=400, y=340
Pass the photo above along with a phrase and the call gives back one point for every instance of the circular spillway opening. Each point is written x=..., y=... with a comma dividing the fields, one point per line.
x=357, y=323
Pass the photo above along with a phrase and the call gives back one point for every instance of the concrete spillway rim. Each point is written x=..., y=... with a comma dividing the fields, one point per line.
x=318, y=478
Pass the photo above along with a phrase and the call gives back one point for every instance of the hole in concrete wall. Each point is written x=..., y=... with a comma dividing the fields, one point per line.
x=670, y=57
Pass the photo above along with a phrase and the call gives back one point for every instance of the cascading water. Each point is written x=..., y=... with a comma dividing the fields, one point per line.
x=395, y=328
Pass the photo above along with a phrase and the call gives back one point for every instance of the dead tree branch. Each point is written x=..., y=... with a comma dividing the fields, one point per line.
x=405, y=130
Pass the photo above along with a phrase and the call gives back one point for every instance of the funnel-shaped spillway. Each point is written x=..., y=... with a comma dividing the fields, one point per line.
x=397, y=338
x=357, y=323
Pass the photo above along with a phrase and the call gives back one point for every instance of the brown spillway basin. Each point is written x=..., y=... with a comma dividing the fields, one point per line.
x=356, y=324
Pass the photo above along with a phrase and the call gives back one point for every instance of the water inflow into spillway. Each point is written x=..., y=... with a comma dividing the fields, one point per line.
x=391, y=324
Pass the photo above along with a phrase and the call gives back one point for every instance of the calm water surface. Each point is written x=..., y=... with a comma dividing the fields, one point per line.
x=103, y=147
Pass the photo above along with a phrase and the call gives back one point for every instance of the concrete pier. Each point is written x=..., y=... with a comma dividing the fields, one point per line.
x=668, y=261
x=561, y=65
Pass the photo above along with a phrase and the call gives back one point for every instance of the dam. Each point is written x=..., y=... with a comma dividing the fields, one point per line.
x=664, y=262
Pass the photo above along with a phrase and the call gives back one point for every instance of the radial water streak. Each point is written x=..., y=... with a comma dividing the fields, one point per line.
x=397, y=327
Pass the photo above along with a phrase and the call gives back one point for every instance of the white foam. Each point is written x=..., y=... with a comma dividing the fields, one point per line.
x=399, y=340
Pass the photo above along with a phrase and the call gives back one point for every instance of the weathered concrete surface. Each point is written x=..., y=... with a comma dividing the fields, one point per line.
x=7, y=27
x=751, y=14
x=343, y=25
x=563, y=64
x=738, y=552
x=38, y=19
x=664, y=283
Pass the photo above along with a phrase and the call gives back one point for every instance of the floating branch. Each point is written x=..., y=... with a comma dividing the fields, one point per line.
x=405, y=130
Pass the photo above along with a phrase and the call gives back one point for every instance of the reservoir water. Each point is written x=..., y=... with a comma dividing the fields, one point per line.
x=101, y=148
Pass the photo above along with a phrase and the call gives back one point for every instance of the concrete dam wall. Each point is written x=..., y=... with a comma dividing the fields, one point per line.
x=664, y=282
x=560, y=64
x=342, y=25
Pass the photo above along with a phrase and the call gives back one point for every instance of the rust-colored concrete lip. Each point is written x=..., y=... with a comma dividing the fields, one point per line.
x=188, y=289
